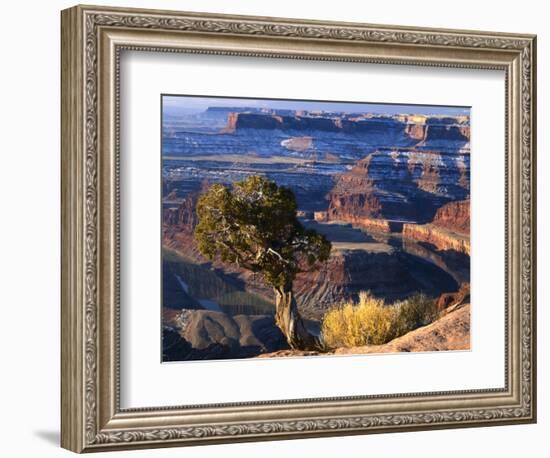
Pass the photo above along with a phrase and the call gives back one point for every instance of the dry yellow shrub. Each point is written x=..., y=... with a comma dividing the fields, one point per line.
x=371, y=322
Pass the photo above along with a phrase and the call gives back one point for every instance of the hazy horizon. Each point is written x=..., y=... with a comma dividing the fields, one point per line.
x=195, y=104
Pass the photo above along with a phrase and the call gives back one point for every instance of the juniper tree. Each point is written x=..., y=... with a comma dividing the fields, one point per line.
x=253, y=224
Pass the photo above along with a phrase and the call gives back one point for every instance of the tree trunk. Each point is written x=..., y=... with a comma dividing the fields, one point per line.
x=290, y=322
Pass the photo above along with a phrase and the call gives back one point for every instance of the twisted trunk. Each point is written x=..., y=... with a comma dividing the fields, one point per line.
x=290, y=322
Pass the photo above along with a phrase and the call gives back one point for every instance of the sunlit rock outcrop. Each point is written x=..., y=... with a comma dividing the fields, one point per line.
x=449, y=230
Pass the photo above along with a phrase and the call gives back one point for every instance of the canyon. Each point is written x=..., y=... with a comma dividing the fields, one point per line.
x=391, y=192
x=359, y=261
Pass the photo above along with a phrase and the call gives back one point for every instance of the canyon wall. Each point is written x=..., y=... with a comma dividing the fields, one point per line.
x=387, y=174
x=399, y=185
x=238, y=121
x=454, y=216
x=181, y=213
x=382, y=270
x=418, y=128
x=440, y=238
x=348, y=272
x=178, y=224
x=449, y=230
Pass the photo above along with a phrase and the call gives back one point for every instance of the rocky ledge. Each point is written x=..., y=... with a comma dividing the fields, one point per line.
x=449, y=230
x=205, y=334
x=451, y=332
x=419, y=128
x=454, y=216
x=441, y=238
x=298, y=143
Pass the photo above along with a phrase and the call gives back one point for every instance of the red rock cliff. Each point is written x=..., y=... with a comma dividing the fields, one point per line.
x=398, y=185
x=231, y=123
x=416, y=131
x=454, y=216
x=182, y=214
x=449, y=230
x=353, y=194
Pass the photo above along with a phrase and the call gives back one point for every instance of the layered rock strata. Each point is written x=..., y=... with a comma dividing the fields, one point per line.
x=399, y=185
x=374, y=266
x=420, y=128
x=449, y=230
x=454, y=216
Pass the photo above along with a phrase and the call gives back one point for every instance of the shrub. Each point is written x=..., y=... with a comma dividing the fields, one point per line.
x=371, y=322
x=418, y=310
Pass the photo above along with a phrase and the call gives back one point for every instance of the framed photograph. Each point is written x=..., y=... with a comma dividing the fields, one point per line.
x=277, y=228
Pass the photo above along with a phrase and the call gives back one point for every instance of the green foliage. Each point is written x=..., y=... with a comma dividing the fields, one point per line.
x=254, y=225
x=418, y=310
x=371, y=322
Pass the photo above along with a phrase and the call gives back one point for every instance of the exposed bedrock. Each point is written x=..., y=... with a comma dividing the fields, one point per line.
x=447, y=132
x=441, y=238
x=178, y=224
x=180, y=212
x=449, y=230
x=450, y=332
x=399, y=185
x=428, y=134
x=237, y=121
x=419, y=128
x=204, y=334
x=448, y=301
x=391, y=275
x=416, y=131
x=298, y=143
x=454, y=216
x=455, y=263
x=382, y=270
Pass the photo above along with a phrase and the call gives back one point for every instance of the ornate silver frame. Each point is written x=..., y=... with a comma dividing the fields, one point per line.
x=92, y=39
